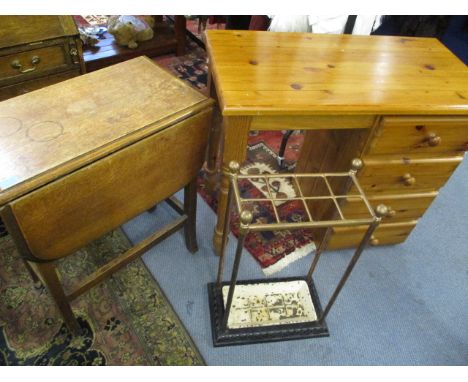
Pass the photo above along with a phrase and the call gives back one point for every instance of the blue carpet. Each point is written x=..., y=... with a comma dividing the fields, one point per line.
x=403, y=305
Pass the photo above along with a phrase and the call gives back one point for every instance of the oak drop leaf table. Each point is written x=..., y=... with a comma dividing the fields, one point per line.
x=82, y=157
x=398, y=103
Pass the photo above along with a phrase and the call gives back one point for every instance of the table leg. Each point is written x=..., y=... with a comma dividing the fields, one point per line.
x=49, y=274
x=215, y=140
x=214, y=151
x=36, y=280
x=190, y=209
x=236, y=133
x=180, y=25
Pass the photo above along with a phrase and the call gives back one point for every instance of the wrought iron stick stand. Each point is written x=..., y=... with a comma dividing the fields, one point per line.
x=285, y=327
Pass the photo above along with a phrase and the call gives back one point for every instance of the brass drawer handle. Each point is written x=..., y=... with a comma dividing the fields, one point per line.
x=16, y=64
x=408, y=180
x=433, y=139
x=374, y=241
x=74, y=55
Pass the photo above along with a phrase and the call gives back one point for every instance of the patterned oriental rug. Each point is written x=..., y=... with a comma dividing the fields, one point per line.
x=272, y=250
x=127, y=320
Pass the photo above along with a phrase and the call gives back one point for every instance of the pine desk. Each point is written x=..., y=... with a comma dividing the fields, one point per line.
x=400, y=104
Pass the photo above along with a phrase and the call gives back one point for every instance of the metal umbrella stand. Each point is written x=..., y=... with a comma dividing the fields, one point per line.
x=277, y=309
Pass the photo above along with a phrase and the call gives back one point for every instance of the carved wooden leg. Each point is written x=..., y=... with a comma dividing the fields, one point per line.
x=49, y=274
x=190, y=209
x=236, y=133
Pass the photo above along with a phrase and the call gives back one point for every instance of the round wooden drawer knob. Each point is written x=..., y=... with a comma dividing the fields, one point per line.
x=408, y=180
x=433, y=139
x=391, y=212
x=374, y=240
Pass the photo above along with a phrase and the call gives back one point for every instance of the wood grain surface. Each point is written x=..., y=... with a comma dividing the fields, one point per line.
x=401, y=207
x=50, y=132
x=302, y=73
x=388, y=175
x=87, y=203
x=15, y=30
x=51, y=57
x=34, y=84
x=391, y=233
x=434, y=136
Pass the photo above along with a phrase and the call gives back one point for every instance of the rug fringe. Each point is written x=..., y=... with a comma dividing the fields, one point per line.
x=288, y=259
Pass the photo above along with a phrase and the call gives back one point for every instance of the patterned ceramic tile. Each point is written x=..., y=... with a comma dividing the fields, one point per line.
x=266, y=304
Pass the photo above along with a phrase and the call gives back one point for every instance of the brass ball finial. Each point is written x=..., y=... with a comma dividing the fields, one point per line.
x=234, y=167
x=356, y=164
x=381, y=210
x=246, y=217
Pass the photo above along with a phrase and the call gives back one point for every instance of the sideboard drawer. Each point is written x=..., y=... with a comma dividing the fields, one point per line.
x=386, y=233
x=404, y=175
x=23, y=65
x=36, y=83
x=421, y=135
x=401, y=207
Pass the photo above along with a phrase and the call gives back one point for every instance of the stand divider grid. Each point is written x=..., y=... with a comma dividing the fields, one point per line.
x=283, y=308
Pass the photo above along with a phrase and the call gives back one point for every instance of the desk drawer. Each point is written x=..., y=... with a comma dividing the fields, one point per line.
x=421, y=135
x=401, y=176
x=390, y=233
x=401, y=207
x=34, y=84
x=22, y=66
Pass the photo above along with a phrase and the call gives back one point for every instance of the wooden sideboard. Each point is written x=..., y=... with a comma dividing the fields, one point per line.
x=37, y=51
x=398, y=103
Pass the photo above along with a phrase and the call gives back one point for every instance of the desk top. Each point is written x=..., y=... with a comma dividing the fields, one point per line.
x=274, y=73
x=50, y=132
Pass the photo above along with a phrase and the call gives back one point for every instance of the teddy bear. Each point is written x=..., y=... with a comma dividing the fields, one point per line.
x=129, y=30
